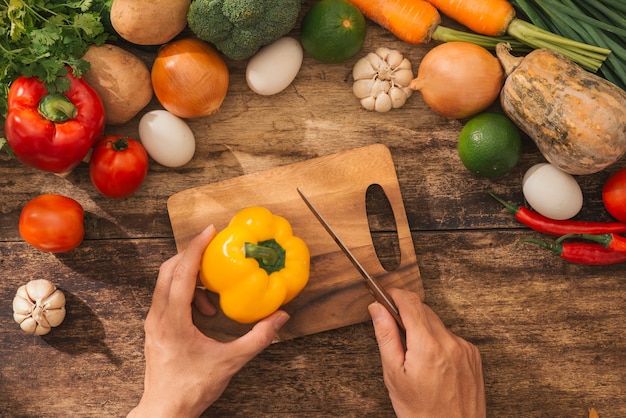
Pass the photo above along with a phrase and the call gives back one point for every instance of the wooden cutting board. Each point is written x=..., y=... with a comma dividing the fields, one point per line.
x=336, y=184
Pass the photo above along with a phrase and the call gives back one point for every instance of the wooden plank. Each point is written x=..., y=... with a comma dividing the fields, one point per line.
x=551, y=335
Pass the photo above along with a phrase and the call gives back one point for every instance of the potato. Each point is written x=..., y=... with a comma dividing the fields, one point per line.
x=149, y=22
x=121, y=79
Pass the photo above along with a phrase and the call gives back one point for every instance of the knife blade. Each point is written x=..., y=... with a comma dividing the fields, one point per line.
x=373, y=285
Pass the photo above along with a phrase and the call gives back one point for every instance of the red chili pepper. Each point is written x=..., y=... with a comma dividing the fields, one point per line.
x=582, y=252
x=53, y=131
x=540, y=223
x=612, y=242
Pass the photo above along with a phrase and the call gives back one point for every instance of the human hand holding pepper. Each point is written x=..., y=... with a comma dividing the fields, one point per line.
x=439, y=374
x=187, y=371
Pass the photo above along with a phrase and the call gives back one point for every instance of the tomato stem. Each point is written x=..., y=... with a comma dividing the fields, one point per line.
x=120, y=144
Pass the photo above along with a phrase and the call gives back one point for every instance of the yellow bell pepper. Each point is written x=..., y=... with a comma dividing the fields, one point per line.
x=255, y=265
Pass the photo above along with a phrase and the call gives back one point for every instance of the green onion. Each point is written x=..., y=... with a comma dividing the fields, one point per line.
x=589, y=57
x=445, y=34
x=598, y=22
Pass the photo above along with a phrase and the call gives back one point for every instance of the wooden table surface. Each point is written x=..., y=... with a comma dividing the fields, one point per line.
x=552, y=334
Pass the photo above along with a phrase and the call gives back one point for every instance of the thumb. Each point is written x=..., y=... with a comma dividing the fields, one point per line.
x=387, y=336
x=260, y=336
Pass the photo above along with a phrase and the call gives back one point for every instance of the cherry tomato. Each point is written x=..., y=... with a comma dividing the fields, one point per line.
x=118, y=166
x=54, y=223
x=614, y=195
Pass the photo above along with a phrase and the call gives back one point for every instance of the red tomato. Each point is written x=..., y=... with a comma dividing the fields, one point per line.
x=53, y=223
x=118, y=166
x=614, y=195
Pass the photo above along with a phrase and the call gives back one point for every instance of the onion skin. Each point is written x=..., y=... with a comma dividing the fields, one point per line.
x=190, y=78
x=459, y=79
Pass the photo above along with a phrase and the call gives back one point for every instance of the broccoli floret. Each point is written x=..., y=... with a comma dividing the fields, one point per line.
x=238, y=28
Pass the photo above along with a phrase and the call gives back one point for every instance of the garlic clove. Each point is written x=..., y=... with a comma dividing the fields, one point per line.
x=383, y=52
x=395, y=58
x=375, y=61
x=403, y=78
x=383, y=103
x=363, y=69
x=398, y=97
x=39, y=289
x=55, y=316
x=22, y=306
x=405, y=65
x=363, y=88
x=29, y=325
x=19, y=318
x=55, y=300
x=41, y=330
x=368, y=103
x=21, y=292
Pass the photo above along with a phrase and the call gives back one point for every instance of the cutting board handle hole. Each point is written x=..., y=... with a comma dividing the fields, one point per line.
x=383, y=227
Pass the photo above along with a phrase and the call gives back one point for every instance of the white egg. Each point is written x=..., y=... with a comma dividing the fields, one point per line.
x=274, y=67
x=167, y=138
x=552, y=192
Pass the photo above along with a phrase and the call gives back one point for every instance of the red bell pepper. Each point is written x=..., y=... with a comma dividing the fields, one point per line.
x=53, y=131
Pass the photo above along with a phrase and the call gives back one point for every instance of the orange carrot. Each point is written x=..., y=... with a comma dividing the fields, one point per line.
x=412, y=21
x=487, y=17
x=491, y=22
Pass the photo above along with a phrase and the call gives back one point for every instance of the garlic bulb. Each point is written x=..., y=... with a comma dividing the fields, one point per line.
x=381, y=80
x=38, y=306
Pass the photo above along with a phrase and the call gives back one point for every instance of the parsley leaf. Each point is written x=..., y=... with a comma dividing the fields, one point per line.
x=41, y=38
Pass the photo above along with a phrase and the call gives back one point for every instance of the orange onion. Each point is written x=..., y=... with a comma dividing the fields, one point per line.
x=459, y=79
x=189, y=78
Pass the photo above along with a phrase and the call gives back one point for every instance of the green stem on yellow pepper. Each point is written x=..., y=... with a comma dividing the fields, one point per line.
x=269, y=254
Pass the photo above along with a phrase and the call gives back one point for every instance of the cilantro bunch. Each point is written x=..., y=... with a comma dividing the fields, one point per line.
x=39, y=38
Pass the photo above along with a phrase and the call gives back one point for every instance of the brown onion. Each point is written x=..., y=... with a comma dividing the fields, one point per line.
x=459, y=79
x=190, y=78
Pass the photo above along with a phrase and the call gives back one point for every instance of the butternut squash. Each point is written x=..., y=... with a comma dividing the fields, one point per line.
x=576, y=119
